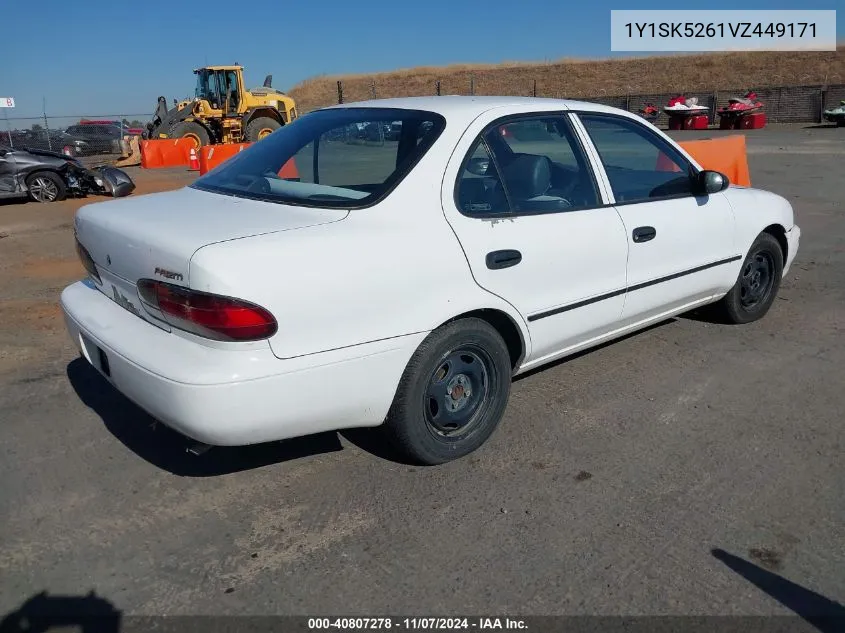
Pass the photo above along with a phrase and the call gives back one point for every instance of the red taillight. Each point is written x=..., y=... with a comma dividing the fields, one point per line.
x=208, y=315
x=87, y=261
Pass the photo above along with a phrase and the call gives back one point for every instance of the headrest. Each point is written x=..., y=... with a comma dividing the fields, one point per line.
x=528, y=176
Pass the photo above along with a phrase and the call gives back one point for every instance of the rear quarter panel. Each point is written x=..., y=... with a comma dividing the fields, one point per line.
x=386, y=271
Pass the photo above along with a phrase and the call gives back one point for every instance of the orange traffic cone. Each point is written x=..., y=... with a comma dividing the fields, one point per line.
x=195, y=161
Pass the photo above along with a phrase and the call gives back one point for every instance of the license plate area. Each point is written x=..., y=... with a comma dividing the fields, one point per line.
x=95, y=355
x=125, y=294
x=104, y=362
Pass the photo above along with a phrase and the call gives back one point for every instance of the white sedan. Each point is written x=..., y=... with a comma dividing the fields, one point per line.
x=404, y=282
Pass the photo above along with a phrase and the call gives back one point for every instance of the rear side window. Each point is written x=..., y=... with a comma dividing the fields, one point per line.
x=640, y=165
x=480, y=190
x=338, y=157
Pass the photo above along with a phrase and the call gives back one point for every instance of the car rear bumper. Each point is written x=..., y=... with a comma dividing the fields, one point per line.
x=232, y=396
x=793, y=238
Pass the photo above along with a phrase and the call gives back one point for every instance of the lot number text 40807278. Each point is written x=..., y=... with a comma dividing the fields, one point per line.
x=413, y=624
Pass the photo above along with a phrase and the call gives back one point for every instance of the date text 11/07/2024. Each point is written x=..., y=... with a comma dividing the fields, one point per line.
x=426, y=624
x=721, y=29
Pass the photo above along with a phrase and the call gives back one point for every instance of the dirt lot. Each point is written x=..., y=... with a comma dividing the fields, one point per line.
x=612, y=480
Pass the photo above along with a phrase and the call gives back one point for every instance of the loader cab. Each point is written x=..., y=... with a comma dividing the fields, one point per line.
x=221, y=87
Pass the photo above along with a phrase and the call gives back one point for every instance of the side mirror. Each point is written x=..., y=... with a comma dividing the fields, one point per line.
x=478, y=166
x=710, y=181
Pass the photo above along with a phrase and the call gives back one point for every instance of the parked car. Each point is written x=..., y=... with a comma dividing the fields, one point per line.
x=51, y=140
x=90, y=139
x=47, y=176
x=405, y=284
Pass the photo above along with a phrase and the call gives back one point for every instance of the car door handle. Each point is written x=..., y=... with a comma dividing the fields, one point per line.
x=644, y=234
x=503, y=259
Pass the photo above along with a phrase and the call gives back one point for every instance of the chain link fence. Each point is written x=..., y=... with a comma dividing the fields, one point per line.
x=99, y=135
x=783, y=104
x=78, y=136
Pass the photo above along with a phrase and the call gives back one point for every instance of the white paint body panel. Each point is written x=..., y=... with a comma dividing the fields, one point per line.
x=356, y=292
x=691, y=233
x=566, y=258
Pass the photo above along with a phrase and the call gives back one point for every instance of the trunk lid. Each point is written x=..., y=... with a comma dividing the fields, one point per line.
x=154, y=236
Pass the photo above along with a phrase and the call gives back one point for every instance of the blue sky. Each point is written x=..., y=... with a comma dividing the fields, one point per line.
x=99, y=57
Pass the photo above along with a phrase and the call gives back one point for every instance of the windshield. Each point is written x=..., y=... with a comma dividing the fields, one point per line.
x=201, y=91
x=339, y=157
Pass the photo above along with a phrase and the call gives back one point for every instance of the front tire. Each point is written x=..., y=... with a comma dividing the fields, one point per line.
x=757, y=284
x=453, y=393
x=194, y=131
x=45, y=186
x=260, y=127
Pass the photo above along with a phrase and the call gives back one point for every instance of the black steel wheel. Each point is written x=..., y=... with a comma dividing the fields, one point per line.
x=452, y=394
x=756, y=279
x=457, y=391
x=758, y=282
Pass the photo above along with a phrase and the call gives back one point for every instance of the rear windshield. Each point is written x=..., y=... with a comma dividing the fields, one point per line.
x=339, y=157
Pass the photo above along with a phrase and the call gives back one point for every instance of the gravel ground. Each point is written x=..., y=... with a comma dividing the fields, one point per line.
x=666, y=473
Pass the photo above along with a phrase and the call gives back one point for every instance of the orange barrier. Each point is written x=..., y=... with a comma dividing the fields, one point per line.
x=213, y=155
x=727, y=155
x=289, y=170
x=170, y=152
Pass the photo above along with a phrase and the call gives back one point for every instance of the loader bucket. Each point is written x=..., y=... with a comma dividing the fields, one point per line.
x=130, y=152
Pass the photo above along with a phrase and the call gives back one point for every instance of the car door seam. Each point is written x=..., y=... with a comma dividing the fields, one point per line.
x=608, y=197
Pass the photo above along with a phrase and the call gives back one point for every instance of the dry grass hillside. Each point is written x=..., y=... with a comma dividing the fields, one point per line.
x=588, y=78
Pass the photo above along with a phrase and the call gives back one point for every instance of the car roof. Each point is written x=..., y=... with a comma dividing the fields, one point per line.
x=452, y=105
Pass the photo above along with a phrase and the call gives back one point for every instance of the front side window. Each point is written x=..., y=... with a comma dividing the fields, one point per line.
x=338, y=157
x=529, y=165
x=639, y=165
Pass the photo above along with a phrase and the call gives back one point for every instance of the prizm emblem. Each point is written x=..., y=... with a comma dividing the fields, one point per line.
x=169, y=274
x=123, y=301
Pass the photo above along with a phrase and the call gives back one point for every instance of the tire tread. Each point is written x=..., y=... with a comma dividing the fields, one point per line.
x=403, y=424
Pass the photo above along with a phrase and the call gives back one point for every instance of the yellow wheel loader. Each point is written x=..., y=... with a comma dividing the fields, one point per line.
x=222, y=110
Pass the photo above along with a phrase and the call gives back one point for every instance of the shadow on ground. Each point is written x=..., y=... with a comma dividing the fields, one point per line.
x=82, y=614
x=590, y=350
x=167, y=449
x=823, y=613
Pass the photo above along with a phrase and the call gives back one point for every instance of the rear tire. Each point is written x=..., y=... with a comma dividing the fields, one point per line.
x=193, y=131
x=757, y=284
x=45, y=186
x=260, y=127
x=452, y=395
